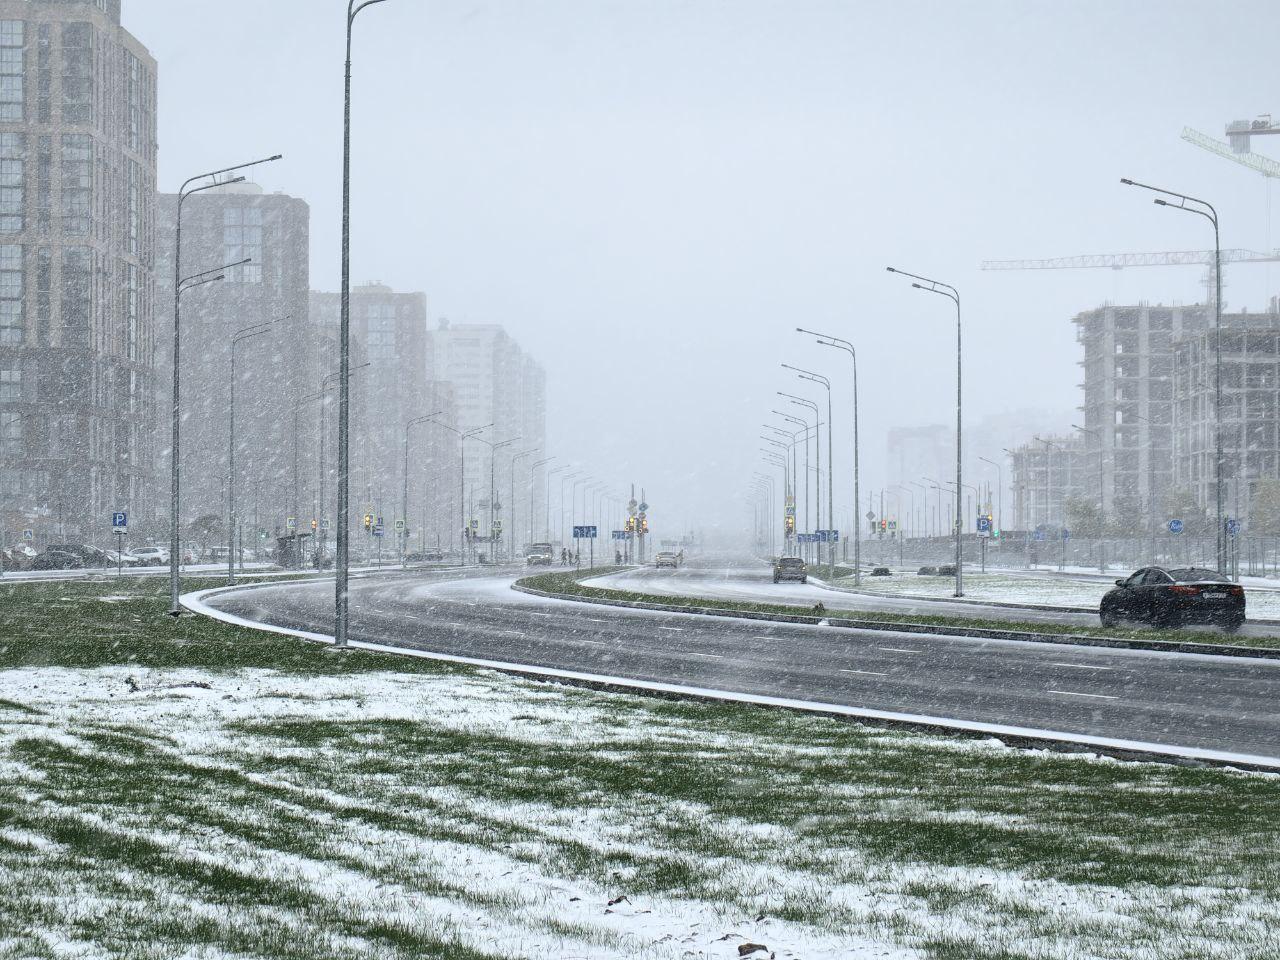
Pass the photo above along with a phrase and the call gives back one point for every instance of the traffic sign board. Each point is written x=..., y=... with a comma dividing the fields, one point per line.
x=119, y=519
x=1039, y=535
x=619, y=534
x=1233, y=527
x=1175, y=526
x=399, y=525
x=584, y=533
x=378, y=529
x=324, y=524
x=290, y=523
x=1066, y=534
x=984, y=528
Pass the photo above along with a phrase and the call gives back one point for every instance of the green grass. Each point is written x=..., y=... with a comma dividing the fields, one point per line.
x=570, y=584
x=302, y=807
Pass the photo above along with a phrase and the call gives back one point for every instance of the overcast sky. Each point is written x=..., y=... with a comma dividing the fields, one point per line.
x=651, y=195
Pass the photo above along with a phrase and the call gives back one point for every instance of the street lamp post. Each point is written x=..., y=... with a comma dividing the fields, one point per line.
x=826, y=340
x=403, y=536
x=1102, y=565
x=952, y=294
x=239, y=337
x=831, y=458
x=1206, y=209
x=817, y=446
x=511, y=547
x=1048, y=492
x=999, y=492
x=463, y=437
x=546, y=489
x=341, y=606
x=533, y=475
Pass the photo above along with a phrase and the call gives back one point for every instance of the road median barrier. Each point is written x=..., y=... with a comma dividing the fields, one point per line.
x=569, y=587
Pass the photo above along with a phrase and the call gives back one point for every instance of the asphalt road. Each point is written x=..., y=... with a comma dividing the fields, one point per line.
x=1176, y=700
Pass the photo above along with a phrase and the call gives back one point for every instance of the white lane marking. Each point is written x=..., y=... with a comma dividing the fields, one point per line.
x=899, y=650
x=1080, y=666
x=1095, y=696
x=865, y=673
x=512, y=633
x=764, y=638
x=456, y=626
x=672, y=629
x=409, y=616
x=708, y=656
x=597, y=643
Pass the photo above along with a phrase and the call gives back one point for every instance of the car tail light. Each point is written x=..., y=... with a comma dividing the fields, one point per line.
x=1185, y=590
x=1236, y=591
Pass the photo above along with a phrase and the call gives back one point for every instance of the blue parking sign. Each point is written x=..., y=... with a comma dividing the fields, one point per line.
x=119, y=519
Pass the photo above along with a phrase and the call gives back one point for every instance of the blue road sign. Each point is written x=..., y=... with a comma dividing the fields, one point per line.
x=1175, y=526
x=1066, y=534
x=984, y=525
x=1039, y=535
x=119, y=519
x=378, y=529
x=827, y=536
x=619, y=534
x=584, y=533
x=1233, y=527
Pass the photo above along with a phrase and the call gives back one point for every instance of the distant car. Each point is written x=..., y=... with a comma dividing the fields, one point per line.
x=927, y=572
x=1170, y=598
x=667, y=559
x=540, y=555
x=433, y=556
x=790, y=568
x=881, y=572
x=151, y=556
x=116, y=559
x=947, y=570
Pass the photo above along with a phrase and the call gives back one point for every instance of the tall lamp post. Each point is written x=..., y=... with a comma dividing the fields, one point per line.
x=403, y=535
x=463, y=436
x=952, y=294
x=341, y=606
x=175, y=494
x=1102, y=565
x=1048, y=490
x=533, y=475
x=999, y=492
x=831, y=458
x=827, y=340
x=1204, y=208
x=515, y=458
x=239, y=337
x=817, y=446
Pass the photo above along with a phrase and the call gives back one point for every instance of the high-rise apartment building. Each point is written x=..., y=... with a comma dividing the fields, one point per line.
x=389, y=329
x=77, y=251
x=496, y=386
x=1128, y=396
x=274, y=371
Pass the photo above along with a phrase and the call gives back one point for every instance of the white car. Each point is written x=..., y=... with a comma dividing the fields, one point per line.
x=667, y=559
x=151, y=556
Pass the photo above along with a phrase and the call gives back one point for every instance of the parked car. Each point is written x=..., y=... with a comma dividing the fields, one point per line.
x=151, y=556
x=1170, y=598
x=433, y=556
x=790, y=568
x=69, y=556
x=947, y=570
x=115, y=559
x=927, y=572
x=667, y=559
x=881, y=572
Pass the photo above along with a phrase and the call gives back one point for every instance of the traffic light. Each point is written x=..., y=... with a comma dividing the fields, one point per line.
x=315, y=525
x=791, y=526
x=368, y=523
x=644, y=526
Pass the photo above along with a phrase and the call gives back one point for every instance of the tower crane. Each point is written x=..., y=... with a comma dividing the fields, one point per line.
x=1237, y=149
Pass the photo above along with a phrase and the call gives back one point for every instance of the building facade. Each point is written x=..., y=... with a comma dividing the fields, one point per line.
x=77, y=259
x=1046, y=475
x=500, y=391
x=1249, y=420
x=1128, y=363
x=274, y=371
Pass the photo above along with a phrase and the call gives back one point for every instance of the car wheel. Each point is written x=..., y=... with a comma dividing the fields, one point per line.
x=1108, y=617
x=1233, y=625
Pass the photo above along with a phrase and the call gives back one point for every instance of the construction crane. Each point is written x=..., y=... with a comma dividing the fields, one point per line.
x=1237, y=149
x=1119, y=261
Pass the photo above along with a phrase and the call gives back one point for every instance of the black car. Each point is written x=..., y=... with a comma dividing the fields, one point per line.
x=881, y=572
x=927, y=572
x=1169, y=598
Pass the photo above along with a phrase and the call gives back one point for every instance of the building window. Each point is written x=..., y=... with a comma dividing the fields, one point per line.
x=44, y=294
x=13, y=151
x=44, y=186
x=12, y=37
x=77, y=73
x=77, y=277
x=242, y=239
x=131, y=311
x=11, y=434
x=133, y=94
x=11, y=289
x=44, y=74
x=134, y=225
x=77, y=184
x=381, y=338
x=10, y=384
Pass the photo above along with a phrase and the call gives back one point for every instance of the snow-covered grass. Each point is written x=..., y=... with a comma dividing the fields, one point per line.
x=1262, y=603
x=186, y=797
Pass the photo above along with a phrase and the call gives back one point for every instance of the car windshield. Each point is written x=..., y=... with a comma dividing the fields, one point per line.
x=1197, y=575
x=791, y=562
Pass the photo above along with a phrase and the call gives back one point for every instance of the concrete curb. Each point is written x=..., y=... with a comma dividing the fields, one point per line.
x=981, y=633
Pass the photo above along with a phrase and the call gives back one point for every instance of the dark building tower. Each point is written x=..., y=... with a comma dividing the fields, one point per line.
x=77, y=250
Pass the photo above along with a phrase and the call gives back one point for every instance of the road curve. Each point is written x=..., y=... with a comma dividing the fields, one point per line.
x=1177, y=701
